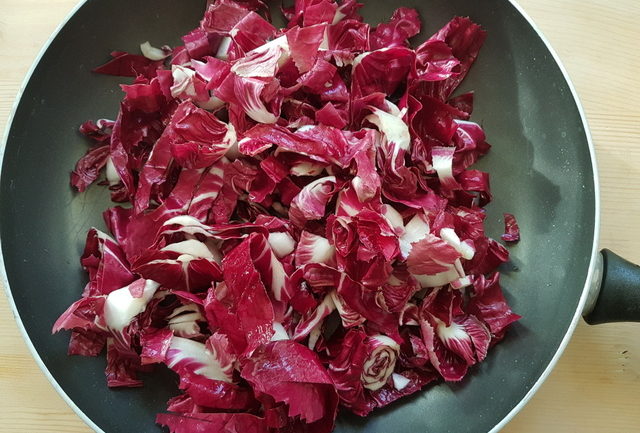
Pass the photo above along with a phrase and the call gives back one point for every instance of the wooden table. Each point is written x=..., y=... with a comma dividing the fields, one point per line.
x=596, y=385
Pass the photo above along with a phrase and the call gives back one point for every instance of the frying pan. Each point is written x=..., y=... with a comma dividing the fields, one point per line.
x=543, y=170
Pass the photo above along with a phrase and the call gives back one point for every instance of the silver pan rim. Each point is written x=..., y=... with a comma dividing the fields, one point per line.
x=3, y=272
x=592, y=271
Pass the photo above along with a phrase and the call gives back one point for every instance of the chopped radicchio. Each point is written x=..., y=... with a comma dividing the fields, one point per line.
x=305, y=231
x=511, y=229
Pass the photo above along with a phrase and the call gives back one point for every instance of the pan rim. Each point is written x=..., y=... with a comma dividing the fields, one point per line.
x=512, y=413
x=596, y=228
x=4, y=278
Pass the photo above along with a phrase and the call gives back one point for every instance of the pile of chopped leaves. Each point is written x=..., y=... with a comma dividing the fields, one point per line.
x=300, y=228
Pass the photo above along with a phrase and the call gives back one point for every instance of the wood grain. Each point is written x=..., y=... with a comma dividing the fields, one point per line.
x=596, y=385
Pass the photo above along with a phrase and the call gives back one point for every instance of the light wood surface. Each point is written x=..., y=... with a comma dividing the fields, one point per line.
x=596, y=385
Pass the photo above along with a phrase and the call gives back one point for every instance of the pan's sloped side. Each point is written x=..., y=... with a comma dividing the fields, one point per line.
x=541, y=167
x=43, y=222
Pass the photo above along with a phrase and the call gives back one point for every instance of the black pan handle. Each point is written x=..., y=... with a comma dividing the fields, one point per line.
x=617, y=299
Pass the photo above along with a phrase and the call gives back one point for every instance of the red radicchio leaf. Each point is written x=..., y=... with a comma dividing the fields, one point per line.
x=106, y=264
x=431, y=255
x=200, y=138
x=404, y=24
x=311, y=202
x=489, y=304
x=290, y=373
x=128, y=65
x=304, y=43
x=381, y=71
x=99, y=131
x=511, y=229
x=252, y=31
x=221, y=16
x=86, y=343
x=330, y=116
x=243, y=309
x=214, y=422
x=155, y=344
x=88, y=167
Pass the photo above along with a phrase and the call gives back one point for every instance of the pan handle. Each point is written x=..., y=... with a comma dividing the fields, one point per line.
x=615, y=296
